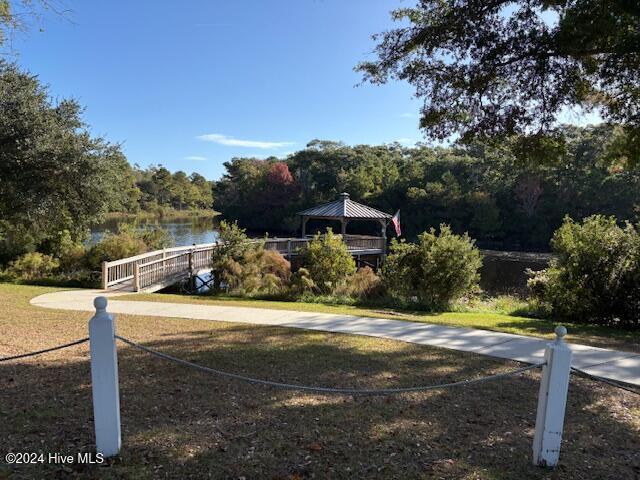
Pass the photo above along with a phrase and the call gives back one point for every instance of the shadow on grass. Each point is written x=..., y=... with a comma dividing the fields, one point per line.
x=181, y=423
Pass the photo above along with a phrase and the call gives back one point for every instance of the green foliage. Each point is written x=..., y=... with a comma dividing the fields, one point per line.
x=241, y=267
x=32, y=266
x=596, y=276
x=328, y=261
x=71, y=254
x=227, y=257
x=55, y=175
x=435, y=271
x=495, y=69
x=159, y=188
x=129, y=241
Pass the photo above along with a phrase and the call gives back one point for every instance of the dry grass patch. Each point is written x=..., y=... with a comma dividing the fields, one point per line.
x=180, y=423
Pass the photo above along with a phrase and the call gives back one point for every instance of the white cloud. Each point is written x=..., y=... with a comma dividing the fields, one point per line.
x=235, y=142
x=196, y=158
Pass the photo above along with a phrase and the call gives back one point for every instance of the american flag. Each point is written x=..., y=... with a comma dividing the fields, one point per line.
x=396, y=223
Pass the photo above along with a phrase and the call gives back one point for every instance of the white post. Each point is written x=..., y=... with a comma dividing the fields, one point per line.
x=105, y=275
x=104, y=380
x=136, y=276
x=552, y=400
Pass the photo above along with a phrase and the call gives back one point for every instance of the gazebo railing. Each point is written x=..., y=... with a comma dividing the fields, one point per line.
x=292, y=246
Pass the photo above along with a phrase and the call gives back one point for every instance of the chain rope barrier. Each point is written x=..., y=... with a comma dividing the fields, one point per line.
x=327, y=390
x=613, y=383
x=46, y=350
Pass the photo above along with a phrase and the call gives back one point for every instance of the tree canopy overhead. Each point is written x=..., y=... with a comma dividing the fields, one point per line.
x=488, y=68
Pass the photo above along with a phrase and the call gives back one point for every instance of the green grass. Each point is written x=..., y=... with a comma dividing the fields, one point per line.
x=498, y=315
x=182, y=423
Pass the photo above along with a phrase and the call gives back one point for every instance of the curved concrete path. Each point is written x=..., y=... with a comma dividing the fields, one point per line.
x=612, y=364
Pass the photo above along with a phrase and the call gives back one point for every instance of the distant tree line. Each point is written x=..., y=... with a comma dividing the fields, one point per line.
x=158, y=187
x=489, y=191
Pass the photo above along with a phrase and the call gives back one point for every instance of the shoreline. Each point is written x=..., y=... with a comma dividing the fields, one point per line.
x=157, y=215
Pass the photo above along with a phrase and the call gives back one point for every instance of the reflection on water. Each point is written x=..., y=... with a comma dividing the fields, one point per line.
x=505, y=272
x=183, y=231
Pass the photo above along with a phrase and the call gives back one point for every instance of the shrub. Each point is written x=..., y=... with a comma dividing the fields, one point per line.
x=435, y=271
x=32, y=266
x=362, y=284
x=301, y=282
x=261, y=272
x=71, y=254
x=328, y=261
x=595, y=277
x=113, y=247
x=227, y=258
x=129, y=241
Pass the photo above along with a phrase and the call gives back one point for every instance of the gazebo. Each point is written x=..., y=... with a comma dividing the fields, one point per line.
x=345, y=210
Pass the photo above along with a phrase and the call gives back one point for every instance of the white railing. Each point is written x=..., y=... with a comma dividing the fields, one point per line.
x=168, y=268
x=355, y=243
x=158, y=266
x=119, y=271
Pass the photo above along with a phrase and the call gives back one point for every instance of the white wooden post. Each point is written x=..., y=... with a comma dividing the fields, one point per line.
x=104, y=380
x=552, y=400
x=136, y=277
x=105, y=275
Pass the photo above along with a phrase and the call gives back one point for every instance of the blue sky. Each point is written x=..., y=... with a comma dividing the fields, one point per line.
x=192, y=84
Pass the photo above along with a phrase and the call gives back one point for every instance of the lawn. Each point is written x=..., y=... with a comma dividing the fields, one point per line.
x=485, y=316
x=181, y=423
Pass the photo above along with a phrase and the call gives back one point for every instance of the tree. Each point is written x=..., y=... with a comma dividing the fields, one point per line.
x=487, y=68
x=55, y=175
x=17, y=15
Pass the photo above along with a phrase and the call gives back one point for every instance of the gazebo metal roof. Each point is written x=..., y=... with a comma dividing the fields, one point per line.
x=344, y=208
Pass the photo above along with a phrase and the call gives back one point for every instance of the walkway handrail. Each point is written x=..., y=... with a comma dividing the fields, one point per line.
x=118, y=271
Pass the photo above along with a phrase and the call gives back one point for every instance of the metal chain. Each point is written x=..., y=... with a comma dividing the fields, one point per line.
x=329, y=390
x=582, y=373
x=59, y=347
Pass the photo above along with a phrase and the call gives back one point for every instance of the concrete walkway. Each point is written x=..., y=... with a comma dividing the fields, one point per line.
x=612, y=364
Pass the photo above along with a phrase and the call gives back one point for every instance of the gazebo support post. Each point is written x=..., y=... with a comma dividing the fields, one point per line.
x=343, y=223
x=304, y=226
x=383, y=223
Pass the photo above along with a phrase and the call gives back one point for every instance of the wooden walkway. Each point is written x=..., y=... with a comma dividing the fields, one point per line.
x=153, y=271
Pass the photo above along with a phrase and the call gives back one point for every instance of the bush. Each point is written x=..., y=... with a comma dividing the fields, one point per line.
x=33, y=266
x=328, y=261
x=127, y=243
x=227, y=258
x=433, y=272
x=595, y=277
x=113, y=247
x=301, y=282
x=362, y=284
x=261, y=272
x=72, y=255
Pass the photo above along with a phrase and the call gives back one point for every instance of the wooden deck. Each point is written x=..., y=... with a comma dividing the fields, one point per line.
x=153, y=271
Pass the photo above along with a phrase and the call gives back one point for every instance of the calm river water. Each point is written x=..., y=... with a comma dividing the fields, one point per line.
x=502, y=272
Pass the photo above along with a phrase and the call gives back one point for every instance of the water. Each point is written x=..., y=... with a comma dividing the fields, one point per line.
x=183, y=231
x=501, y=273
